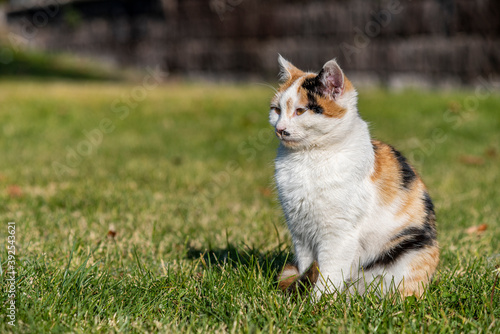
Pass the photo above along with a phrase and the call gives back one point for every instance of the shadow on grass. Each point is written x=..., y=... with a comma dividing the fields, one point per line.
x=270, y=262
x=43, y=65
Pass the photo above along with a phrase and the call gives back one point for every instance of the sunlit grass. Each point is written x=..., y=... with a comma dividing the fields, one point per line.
x=183, y=176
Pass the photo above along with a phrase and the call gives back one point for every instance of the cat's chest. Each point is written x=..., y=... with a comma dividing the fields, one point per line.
x=321, y=193
x=315, y=182
x=305, y=179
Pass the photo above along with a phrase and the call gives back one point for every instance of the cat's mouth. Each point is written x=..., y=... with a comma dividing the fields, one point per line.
x=289, y=142
x=286, y=138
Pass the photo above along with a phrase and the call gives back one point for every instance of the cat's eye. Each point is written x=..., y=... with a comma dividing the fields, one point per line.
x=276, y=110
x=300, y=111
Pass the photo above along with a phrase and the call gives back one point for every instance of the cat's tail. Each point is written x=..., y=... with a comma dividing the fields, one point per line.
x=289, y=274
x=293, y=284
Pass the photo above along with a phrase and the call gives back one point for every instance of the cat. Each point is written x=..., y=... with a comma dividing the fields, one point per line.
x=359, y=215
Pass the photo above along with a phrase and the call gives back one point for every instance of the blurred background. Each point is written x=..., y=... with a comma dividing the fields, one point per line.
x=390, y=43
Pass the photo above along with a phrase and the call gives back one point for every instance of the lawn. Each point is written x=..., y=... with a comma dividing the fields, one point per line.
x=151, y=208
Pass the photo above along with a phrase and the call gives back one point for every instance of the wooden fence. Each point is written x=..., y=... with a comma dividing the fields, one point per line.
x=431, y=39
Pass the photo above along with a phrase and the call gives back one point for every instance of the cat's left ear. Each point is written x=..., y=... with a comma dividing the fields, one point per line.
x=287, y=70
x=331, y=80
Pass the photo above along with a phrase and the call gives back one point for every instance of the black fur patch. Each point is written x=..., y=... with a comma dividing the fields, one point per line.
x=407, y=173
x=312, y=86
x=412, y=238
x=430, y=216
x=312, y=103
x=429, y=206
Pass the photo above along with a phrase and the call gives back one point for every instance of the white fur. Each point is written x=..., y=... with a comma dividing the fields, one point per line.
x=285, y=67
x=323, y=180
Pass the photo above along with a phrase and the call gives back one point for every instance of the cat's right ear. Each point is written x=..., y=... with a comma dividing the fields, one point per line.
x=287, y=70
x=331, y=79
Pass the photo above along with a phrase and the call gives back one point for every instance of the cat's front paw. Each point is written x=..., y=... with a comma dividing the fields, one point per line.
x=325, y=287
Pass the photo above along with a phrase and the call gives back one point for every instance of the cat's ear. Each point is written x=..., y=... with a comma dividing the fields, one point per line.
x=287, y=70
x=331, y=80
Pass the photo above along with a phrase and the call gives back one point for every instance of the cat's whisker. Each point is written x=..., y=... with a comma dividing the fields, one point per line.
x=265, y=84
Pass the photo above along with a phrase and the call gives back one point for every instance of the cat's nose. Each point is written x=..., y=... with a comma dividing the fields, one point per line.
x=282, y=133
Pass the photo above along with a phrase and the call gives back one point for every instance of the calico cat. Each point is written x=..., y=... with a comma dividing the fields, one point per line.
x=359, y=215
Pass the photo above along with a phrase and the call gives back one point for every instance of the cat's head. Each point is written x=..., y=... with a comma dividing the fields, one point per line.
x=312, y=109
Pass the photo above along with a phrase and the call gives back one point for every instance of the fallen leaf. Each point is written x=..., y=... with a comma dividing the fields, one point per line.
x=491, y=152
x=111, y=232
x=471, y=160
x=177, y=161
x=14, y=191
x=479, y=229
x=266, y=192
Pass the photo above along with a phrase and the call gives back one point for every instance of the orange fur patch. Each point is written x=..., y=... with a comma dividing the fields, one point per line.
x=412, y=209
x=422, y=269
x=289, y=274
x=386, y=172
x=412, y=199
x=295, y=285
x=330, y=108
x=289, y=105
x=294, y=75
x=387, y=178
x=348, y=87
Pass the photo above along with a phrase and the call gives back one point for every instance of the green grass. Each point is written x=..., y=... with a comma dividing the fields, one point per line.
x=185, y=180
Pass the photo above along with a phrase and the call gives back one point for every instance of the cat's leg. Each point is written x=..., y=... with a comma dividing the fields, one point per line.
x=336, y=258
x=412, y=274
x=409, y=275
x=368, y=280
x=303, y=254
x=294, y=278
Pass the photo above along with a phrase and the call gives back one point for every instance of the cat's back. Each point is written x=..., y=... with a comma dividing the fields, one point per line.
x=403, y=215
x=397, y=183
